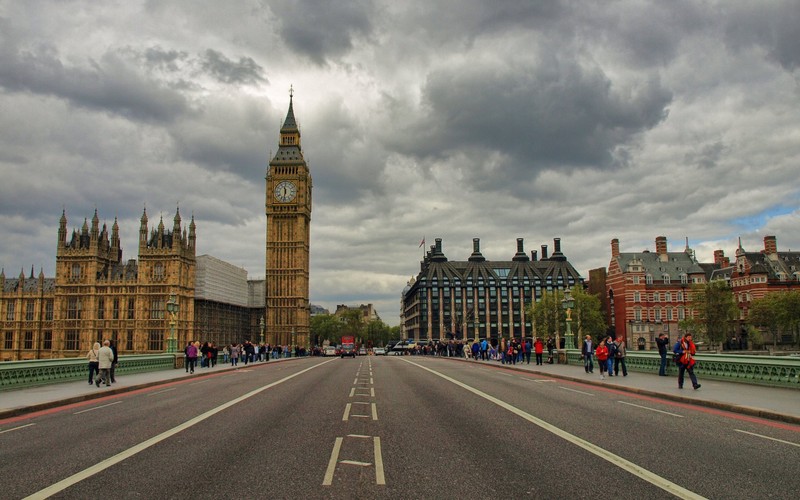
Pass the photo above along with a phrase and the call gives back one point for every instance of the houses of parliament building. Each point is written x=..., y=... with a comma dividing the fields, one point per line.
x=96, y=295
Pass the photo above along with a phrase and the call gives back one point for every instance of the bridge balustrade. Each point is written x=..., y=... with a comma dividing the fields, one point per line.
x=776, y=371
x=21, y=374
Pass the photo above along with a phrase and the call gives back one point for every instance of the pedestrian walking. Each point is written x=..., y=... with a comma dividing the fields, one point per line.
x=662, y=342
x=538, y=348
x=94, y=364
x=105, y=357
x=191, y=357
x=528, y=347
x=612, y=352
x=686, y=349
x=235, y=354
x=114, y=363
x=586, y=352
x=602, y=357
x=619, y=358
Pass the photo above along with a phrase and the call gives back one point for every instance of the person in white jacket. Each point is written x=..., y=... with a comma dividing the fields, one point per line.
x=94, y=368
x=105, y=358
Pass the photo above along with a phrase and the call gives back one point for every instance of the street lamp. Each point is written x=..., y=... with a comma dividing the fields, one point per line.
x=263, y=326
x=172, y=309
x=567, y=303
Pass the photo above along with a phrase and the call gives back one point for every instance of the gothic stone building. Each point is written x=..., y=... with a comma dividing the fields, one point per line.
x=96, y=295
x=477, y=298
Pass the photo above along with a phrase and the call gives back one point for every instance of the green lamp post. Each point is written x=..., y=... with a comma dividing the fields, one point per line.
x=568, y=303
x=172, y=308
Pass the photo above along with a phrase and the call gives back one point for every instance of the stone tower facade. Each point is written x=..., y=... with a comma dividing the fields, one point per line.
x=288, y=209
x=98, y=296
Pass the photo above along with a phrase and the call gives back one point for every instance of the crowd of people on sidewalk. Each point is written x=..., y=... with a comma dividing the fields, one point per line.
x=247, y=352
x=609, y=354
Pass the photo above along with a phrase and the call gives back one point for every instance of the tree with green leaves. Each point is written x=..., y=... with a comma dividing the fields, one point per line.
x=791, y=302
x=587, y=316
x=548, y=315
x=778, y=313
x=325, y=327
x=353, y=324
x=764, y=313
x=714, y=309
x=377, y=333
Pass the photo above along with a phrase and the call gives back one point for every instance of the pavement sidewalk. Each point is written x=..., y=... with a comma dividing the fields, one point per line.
x=775, y=403
x=21, y=401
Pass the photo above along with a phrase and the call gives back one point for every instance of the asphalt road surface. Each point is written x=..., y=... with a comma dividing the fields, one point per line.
x=392, y=427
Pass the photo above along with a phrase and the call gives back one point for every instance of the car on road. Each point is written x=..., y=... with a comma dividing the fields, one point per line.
x=379, y=351
x=362, y=352
x=329, y=351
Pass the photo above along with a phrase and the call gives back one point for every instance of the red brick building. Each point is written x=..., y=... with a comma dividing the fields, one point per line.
x=756, y=274
x=648, y=292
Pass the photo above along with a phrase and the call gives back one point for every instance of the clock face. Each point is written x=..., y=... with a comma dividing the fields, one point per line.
x=285, y=191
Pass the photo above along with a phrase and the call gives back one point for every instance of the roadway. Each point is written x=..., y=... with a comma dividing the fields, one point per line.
x=393, y=427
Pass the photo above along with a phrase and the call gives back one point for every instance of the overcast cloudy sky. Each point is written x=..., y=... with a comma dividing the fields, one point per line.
x=492, y=119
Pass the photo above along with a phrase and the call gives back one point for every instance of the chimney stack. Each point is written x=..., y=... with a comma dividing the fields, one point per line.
x=661, y=245
x=476, y=251
x=534, y=255
x=770, y=245
x=544, y=252
x=719, y=257
x=614, y=248
x=520, y=256
x=661, y=248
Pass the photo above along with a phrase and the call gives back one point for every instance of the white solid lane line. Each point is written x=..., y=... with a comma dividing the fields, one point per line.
x=616, y=460
x=767, y=437
x=162, y=392
x=651, y=409
x=119, y=457
x=16, y=428
x=575, y=390
x=97, y=407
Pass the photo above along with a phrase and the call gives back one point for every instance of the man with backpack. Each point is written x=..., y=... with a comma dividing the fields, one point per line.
x=612, y=354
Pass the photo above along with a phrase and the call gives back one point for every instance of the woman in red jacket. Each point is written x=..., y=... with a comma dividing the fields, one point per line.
x=602, y=357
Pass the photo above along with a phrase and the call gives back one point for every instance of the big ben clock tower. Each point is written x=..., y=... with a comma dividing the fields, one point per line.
x=288, y=208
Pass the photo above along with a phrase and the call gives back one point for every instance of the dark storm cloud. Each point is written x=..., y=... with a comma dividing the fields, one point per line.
x=110, y=84
x=244, y=71
x=645, y=37
x=554, y=113
x=169, y=60
x=229, y=134
x=772, y=25
x=320, y=29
